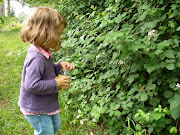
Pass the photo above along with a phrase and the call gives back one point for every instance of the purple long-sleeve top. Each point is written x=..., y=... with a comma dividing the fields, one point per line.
x=39, y=92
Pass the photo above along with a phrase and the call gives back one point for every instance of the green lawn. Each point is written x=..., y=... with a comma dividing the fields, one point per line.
x=12, y=55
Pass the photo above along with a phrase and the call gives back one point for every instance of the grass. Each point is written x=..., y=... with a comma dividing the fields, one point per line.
x=12, y=56
x=12, y=121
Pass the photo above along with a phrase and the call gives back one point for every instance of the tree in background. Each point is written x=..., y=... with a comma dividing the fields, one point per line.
x=2, y=11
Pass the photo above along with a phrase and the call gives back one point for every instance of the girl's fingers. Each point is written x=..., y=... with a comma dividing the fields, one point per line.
x=70, y=66
x=65, y=85
x=64, y=77
x=67, y=82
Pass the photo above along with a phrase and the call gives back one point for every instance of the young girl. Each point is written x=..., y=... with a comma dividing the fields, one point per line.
x=38, y=98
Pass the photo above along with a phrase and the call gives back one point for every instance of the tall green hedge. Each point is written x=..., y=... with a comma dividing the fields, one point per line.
x=127, y=59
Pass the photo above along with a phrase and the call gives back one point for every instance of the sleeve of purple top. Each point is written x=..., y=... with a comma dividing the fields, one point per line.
x=33, y=82
x=57, y=68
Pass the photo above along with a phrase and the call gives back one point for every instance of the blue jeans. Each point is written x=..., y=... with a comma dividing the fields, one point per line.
x=45, y=124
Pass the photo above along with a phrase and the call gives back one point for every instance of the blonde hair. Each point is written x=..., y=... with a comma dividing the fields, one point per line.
x=43, y=28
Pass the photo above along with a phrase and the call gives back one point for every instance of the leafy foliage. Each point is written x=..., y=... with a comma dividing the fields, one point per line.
x=127, y=62
x=121, y=69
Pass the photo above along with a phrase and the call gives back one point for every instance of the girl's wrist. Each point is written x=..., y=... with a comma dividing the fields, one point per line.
x=56, y=81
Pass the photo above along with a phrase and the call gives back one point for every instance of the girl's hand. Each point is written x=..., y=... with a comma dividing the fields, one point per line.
x=63, y=81
x=66, y=65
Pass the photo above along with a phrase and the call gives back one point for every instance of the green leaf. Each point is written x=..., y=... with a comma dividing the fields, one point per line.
x=142, y=17
x=175, y=105
x=163, y=28
x=145, y=6
x=171, y=15
x=178, y=28
x=150, y=86
x=116, y=106
x=168, y=94
x=150, y=130
x=103, y=110
x=100, y=93
x=143, y=96
x=75, y=71
x=111, y=122
x=172, y=85
x=169, y=54
x=173, y=130
x=111, y=113
x=149, y=68
x=163, y=64
x=119, y=34
x=118, y=86
x=115, y=55
x=117, y=19
x=168, y=121
x=117, y=113
x=170, y=66
x=103, y=24
x=132, y=77
x=157, y=116
x=175, y=112
x=154, y=101
x=97, y=115
x=158, y=52
x=178, y=64
x=174, y=6
x=138, y=127
x=87, y=70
